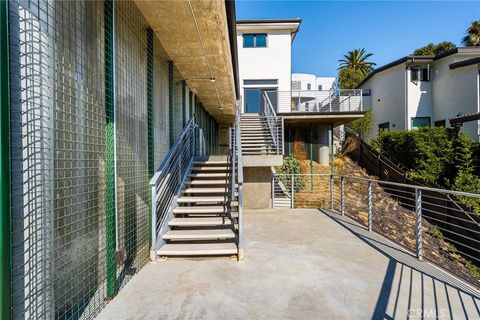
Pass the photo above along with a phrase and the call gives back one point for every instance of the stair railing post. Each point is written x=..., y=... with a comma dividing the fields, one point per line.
x=331, y=192
x=153, y=249
x=419, y=231
x=370, y=206
x=342, y=195
x=273, y=191
x=292, y=194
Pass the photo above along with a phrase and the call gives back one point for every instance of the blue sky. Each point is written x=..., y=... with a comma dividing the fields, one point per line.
x=388, y=29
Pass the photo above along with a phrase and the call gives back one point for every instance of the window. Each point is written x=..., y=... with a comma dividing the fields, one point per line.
x=420, y=122
x=255, y=40
x=384, y=127
x=320, y=88
x=440, y=123
x=309, y=86
x=420, y=73
x=260, y=82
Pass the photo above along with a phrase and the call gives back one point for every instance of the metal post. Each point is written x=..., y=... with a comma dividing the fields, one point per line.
x=292, y=194
x=419, y=231
x=5, y=171
x=331, y=192
x=153, y=248
x=342, y=195
x=283, y=137
x=273, y=191
x=370, y=207
x=311, y=160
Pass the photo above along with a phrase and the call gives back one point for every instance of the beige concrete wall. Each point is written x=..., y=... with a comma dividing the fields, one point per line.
x=223, y=139
x=257, y=187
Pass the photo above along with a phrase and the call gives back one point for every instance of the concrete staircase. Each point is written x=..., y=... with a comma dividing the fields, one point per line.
x=256, y=137
x=204, y=220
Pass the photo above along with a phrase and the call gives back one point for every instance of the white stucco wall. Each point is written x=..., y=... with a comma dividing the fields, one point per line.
x=306, y=78
x=387, y=98
x=419, y=97
x=456, y=91
x=272, y=62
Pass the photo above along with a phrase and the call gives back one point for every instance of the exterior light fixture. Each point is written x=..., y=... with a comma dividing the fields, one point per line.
x=212, y=79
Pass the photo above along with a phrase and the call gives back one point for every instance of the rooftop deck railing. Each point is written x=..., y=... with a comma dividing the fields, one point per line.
x=340, y=100
x=442, y=226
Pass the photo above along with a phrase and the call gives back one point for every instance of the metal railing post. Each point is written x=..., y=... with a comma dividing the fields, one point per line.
x=342, y=195
x=331, y=192
x=292, y=194
x=153, y=249
x=419, y=231
x=370, y=207
x=273, y=191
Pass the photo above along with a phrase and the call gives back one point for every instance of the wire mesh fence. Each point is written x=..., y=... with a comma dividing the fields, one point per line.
x=85, y=82
x=442, y=226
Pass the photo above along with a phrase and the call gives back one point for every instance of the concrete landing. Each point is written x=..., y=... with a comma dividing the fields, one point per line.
x=299, y=264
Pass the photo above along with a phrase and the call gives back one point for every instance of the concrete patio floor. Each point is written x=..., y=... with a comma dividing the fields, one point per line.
x=299, y=264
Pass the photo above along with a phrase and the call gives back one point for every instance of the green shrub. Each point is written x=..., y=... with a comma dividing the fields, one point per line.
x=363, y=126
x=291, y=166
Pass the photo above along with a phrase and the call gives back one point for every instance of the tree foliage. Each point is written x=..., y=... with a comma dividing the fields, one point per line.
x=357, y=60
x=472, y=35
x=434, y=49
x=349, y=78
x=363, y=126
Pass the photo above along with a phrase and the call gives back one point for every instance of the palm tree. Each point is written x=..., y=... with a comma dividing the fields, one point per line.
x=472, y=37
x=356, y=60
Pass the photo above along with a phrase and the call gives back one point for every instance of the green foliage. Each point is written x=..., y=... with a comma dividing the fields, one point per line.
x=472, y=35
x=474, y=270
x=434, y=49
x=357, y=60
x=364, y=125
x=349, y=78
x=437, y=155
x=291, y=166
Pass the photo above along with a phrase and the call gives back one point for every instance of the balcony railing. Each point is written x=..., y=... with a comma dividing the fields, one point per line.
x=340, y=100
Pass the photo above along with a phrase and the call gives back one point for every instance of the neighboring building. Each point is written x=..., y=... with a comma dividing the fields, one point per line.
x=265, y=59
x=305, y=81
x=309, y=106
x=419, y=91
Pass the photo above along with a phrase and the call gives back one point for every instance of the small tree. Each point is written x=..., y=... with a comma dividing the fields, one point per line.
x=349, y=78
x=363, y=126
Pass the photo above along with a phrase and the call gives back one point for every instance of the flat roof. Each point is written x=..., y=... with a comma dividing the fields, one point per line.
x=263, y=21
x=292, y=24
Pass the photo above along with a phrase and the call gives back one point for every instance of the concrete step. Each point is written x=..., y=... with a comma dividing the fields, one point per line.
x=205, y=209
x=209, y=182
x=208, y=175
x=207, y=190
x=200, y=222
x=210, y=168
x=197, y=249
x=204, y=199
x=211, y=162
x=201, y=234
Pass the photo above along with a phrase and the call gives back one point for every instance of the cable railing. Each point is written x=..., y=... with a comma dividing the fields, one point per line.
x=167, y=182
x=237, y=170
x=319, y=101
x=426, y=221
x=275, y=126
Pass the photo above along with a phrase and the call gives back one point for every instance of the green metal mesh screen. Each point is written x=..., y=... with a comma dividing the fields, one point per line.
x=86, y=79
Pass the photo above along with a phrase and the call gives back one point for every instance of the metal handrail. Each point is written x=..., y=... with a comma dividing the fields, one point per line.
x=237, y=167
x=167, y=182
x=425, y=213
x=275, y=124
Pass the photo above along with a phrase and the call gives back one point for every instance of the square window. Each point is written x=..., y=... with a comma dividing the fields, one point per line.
x=420, y=122
x=260, y=40
x=248, y=40
x=255, y=40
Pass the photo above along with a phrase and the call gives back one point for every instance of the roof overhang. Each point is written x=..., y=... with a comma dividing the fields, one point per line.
x=336, y=118
x=195, y=35
x=291, y=25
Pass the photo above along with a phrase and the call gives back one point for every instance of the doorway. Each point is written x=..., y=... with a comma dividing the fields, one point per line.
x=254, y=102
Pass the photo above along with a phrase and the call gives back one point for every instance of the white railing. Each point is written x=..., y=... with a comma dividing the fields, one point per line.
x=167, y=182
x=410, y=215
x=334, y=100
x=237, y=170
x=275, y=125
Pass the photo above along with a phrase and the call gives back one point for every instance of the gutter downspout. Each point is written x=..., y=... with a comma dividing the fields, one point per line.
x=406, y=91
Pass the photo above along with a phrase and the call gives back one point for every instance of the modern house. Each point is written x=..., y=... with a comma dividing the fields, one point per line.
x=132, y=131
x=310, y=107
x=419, y=91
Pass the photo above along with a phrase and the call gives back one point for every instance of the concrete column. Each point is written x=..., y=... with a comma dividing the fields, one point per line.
x=257, y=187
x=323, y=144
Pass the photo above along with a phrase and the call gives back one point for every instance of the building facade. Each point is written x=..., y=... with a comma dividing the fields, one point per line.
x=420, y=91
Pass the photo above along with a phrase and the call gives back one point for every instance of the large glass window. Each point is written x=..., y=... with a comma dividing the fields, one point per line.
x=255, y=40
x=420, y=122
